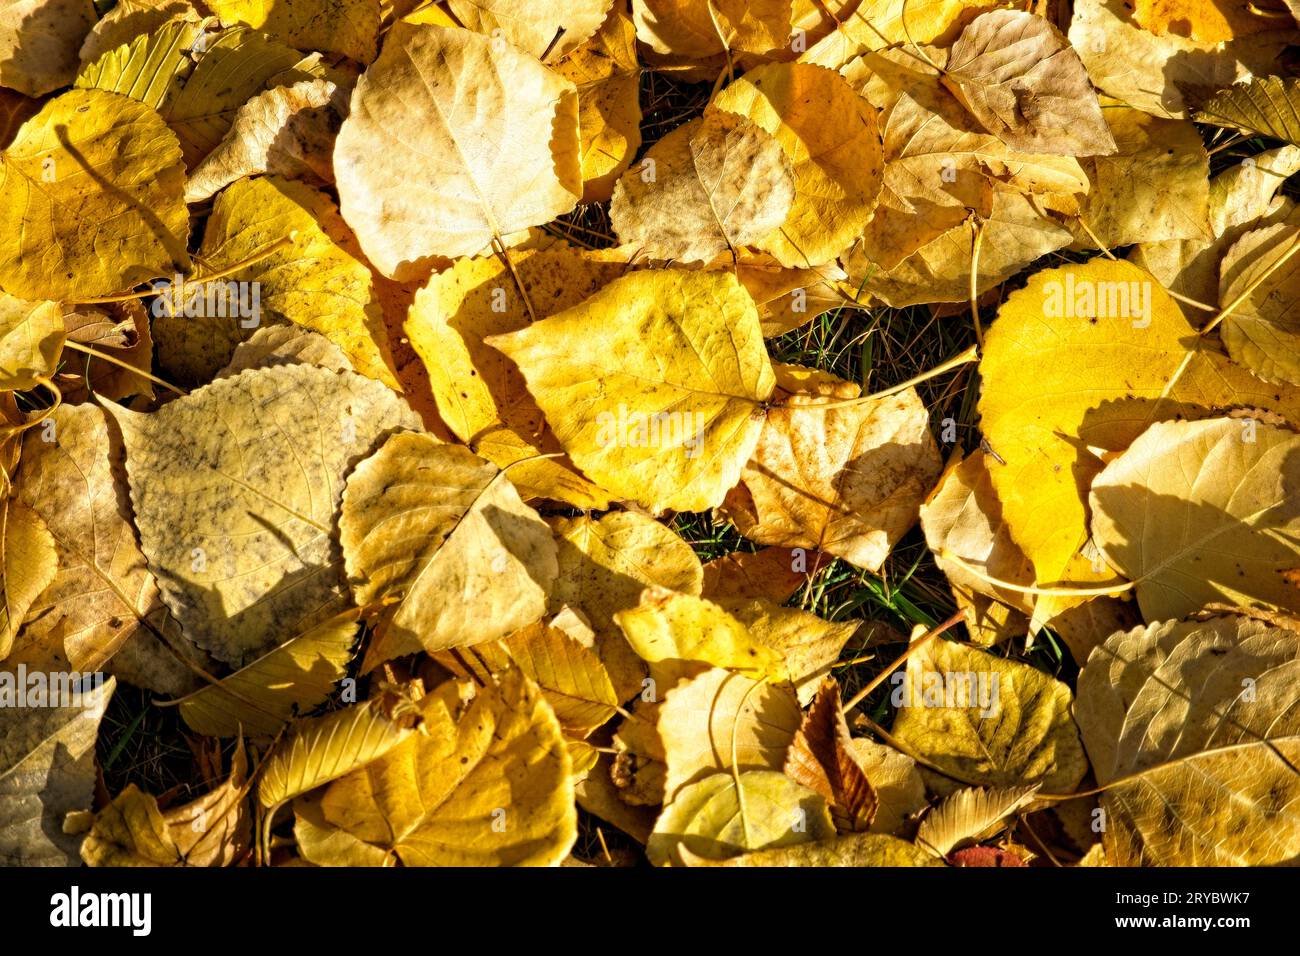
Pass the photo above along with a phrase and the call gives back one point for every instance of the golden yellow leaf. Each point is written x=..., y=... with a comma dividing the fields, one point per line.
x=900, y=791
x=453, y=140
x=31, y=341
x=1203, y=20
x=668, y=626
x=809, y=644
x=855, y=850
x=313, y=281
x=1153, y=187
x=830, y=134
x=1078, y=328
x=444, y=535
x=1264, y=104
x=29, y=561
x=492, y=788
x=350, y=27
x=653, y=385
x=700, y=28
x=608, y=78
x=1201, y=512
x=325, y=748
x=129, y=19
x=969, y=816
x=236, y=490
x=987, y=720
x=90, y=199
x=708, y=187
x=197, y=93
x=213, y=830
x=1261, y=332
x=480, y=393
x=723, y=816
x=570, y=674
x=293, y=678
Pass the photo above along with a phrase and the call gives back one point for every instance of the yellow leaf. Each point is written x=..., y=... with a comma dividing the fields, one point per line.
x=987, y=720
x=47, y=770
x=350, y=27
x=480, y=393
x=1264, y=104
x=90, y=199
x=708, y=187
x=197, y=92
x=103, y=594
x=847, y=481
x=314, y=281
x=236, y=489
x=325, y=748
x=1197, y=771
x=608, y=78
x=809, y=644
x=855, y=850
x=720, y=721
x=29, y=561
x=1261, y=332
x=492, y=788
x=543, y=30
x=39, y=40
x=571, y=675
x=830, y=135
x=723, y=816
x=1201, y=512
x=31, y=341
x=444, y=534
x=453, y=140
x=294, y=678
x=653, y=385
x=667, y=626
x=213, y=830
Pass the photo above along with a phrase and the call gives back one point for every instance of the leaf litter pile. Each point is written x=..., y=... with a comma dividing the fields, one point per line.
x=512, y=432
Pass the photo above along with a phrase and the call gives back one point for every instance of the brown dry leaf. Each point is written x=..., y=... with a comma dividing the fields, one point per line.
x=1019, y=76
x=443, y=536
x=102, y=593
x=452, y=121
x=708, y=187
x=821, y=757
x=847, y=481
x=1265, y=104
x=770, y=574
x=285, y=130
